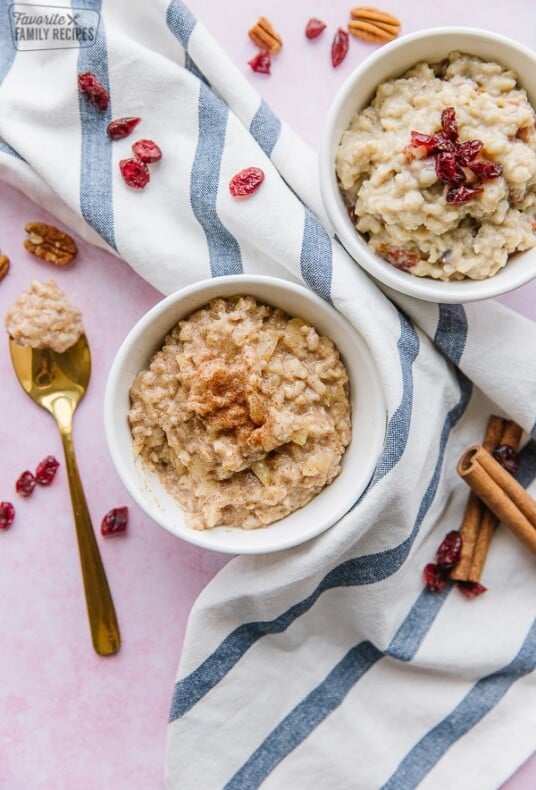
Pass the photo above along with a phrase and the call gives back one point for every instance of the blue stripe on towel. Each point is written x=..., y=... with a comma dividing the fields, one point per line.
x=265, y=128
x=368, y=569
x=451, y=333
x=316, y=259
x=306, y=716
x=475, y=705
x=7, y=50
x=408, y=348
x=466, y=389
x=7, y=149
x=416, y=625
x=7, y=56
x=527, y=464
x=189, y=65
x=96, y=192
x=398, y=428
x=180, y=21
x=331, y=692
x=224, y=251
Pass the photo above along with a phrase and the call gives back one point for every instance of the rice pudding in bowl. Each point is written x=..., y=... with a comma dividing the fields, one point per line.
x=439, y=170
x=244, y=413
x=428, y=165
x=342, y=426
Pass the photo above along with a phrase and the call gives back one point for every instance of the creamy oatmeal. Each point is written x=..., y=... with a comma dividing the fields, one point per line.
x=244, y=413
x=462, y=203
x=42, y=317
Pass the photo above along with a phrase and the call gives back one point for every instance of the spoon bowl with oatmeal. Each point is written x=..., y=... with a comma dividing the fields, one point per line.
x=428, y=165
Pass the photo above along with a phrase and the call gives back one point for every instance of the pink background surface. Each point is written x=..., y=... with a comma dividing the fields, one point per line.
x=71, y=719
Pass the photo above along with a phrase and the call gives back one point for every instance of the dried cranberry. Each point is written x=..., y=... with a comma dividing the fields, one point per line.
x=399, y=257
x=314, y=27
x=419, y=138
x=507, y=457
x=7, y=514
x=115, y=521
x=448, y=170
x=261, y=63
x=472, y=589
x=93, y=90
x=468, y=151
x=452, y=157
x=121, y=127
x=462, y=194
x=444, y=143
x=246, y=182
x=483, y=168
x=421, y=146
x=435, y=577
x=46, y=470
x=432, y=143
x=339, y=47
x=448, y=123
x=25, y=484
x=135, y=173
x=146, y=151
x=449, y=553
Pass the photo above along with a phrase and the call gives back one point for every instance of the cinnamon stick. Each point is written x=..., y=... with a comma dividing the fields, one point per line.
x=494, y=432
x=488, y=525
x=511, y=435
x=476, y=528
x=469, y=530
x=502, y=494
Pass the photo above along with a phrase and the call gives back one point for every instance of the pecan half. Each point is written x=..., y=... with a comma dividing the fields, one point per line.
x=4, y=266
x=374, y=25
x=265, y=37
x=49, y=243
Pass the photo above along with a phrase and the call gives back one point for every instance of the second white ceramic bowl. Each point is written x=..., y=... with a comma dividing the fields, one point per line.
x=358, y=462
x=392, y=60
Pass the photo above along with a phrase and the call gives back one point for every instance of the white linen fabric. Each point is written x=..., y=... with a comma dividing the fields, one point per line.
x=327, y=666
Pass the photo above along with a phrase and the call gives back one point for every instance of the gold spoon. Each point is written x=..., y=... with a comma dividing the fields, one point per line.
x=58, y=382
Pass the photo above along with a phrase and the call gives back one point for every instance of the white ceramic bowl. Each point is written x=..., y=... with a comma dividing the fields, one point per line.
x=359, y=460
x=389, y=61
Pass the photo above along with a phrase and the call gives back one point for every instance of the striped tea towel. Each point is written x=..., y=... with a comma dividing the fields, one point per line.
x=328, y=666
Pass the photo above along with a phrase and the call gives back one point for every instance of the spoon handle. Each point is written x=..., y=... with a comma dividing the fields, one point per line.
x=100, y=607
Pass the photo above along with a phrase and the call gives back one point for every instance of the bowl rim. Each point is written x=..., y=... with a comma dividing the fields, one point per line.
x=427, y=289
x=209, y=288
